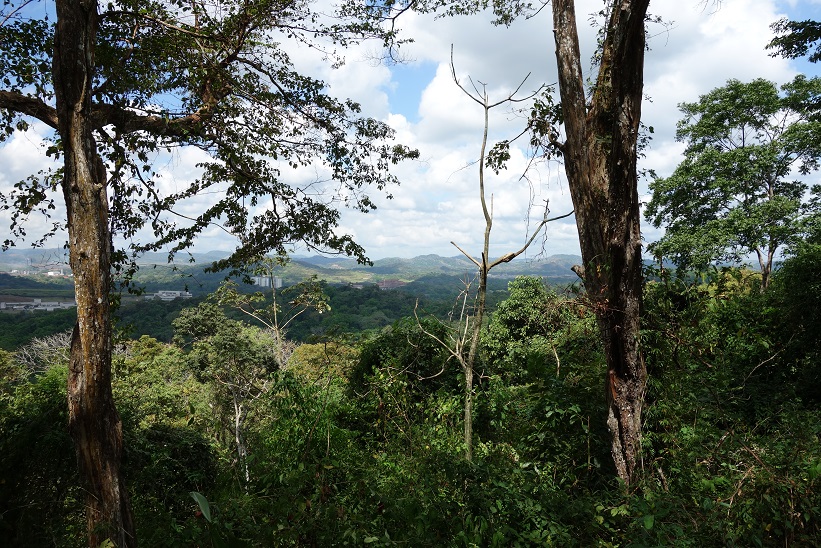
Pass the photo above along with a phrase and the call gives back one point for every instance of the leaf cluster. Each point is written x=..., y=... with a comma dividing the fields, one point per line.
x=796, y=39
x=278, y=149
x=739, y=189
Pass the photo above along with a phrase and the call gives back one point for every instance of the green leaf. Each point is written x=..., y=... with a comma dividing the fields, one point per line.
x=649, y=520
x=202, y=502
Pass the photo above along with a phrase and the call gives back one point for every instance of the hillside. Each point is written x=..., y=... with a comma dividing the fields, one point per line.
x=188, y=271
x=430, y=282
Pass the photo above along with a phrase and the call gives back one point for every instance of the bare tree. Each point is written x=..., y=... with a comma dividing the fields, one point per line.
x=43, y=352
x=464, y=341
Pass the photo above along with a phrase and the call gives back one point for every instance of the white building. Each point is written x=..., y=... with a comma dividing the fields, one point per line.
x=38, y=304
x=265, y=281
x=168, y=295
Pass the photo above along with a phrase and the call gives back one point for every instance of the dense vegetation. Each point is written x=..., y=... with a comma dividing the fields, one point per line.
x=36, y=286
x=359, y=442
x=230, y=433
x=18, y=328
x=355, y=309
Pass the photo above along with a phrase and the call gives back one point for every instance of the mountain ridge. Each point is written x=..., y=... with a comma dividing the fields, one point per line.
x=156, y=269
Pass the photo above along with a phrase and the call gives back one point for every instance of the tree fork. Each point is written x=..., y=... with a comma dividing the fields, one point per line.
x=600, y=162
x=94, y=423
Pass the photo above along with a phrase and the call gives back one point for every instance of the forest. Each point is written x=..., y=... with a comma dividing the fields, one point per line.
x=357, y=438
x=356, y=308
x=669, y=396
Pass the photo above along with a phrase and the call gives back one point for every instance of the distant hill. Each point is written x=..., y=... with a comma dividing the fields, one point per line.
x=18, y=258
x=156, y=273
x=556, y=266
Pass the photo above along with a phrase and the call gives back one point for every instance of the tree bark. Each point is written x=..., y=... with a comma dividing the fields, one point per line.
x=94, y=423
x=600, y=161
x=242, y=451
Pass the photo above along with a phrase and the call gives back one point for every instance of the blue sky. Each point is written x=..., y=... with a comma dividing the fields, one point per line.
x=409, y=81
x=437, y=202
x=700, y=49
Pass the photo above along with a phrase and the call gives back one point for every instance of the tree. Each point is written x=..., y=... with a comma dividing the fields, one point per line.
x=797, y=39
x=495, y=159
x=797, y=296
x=733, y=194
x=324, y=361
x=41, y=353
x=236, y=358
x=525, y=329
x=121, y=82
x=307, y=295
x=407, y=349
x=600, y=154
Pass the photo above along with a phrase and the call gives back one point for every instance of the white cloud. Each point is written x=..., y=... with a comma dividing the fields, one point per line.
x=697, y=52
x=438, y=199
x=23, y=155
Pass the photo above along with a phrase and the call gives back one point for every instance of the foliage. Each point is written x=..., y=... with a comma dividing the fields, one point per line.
x=406, y=351
x=732, y=195
x=182, y=78
x=162, y=407
x=323, y=362
x=121, y=84
x=355, y=309
x=796, y=39
x=796, y=296
x=41, y=498
x=19, y=328
x=524, y=332
x=35, y=286
x=168, y=434
x=729, y=442
x=11, y=372
x=155, y=318
x=349, y=446
x=543, y=395
x=277, y=316
x=236, y=360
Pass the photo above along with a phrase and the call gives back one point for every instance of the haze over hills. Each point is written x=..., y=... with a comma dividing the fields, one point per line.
x=555, y=266
x=156, y=270
x=429, y=281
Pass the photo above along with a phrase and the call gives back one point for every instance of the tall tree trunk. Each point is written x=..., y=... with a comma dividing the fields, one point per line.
x=468, y=413
x=485, y=266
x=765, y=263
x=473, y=351
x=242, y=451
x=94, y=423
x=600, y=162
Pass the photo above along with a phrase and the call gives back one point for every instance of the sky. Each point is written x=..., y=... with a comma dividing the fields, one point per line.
x=700, y=46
